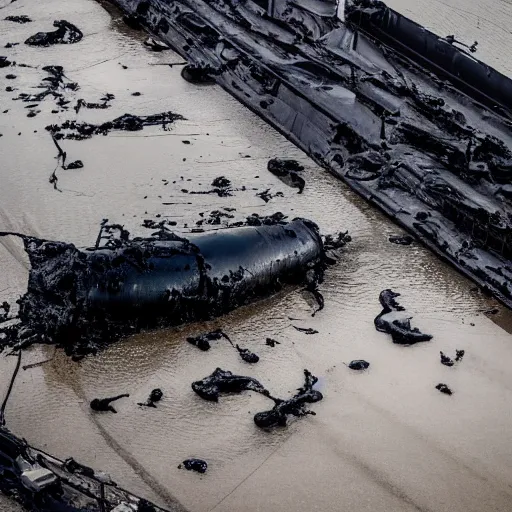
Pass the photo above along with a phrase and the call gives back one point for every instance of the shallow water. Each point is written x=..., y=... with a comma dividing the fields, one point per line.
x=382, y=440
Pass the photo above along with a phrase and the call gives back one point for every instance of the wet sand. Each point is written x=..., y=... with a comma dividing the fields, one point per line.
x=384, y=439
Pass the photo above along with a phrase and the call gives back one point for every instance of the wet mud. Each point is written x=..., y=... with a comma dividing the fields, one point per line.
x=393, y=320
x=83, y=299
x=66, y=33
x=409, y=141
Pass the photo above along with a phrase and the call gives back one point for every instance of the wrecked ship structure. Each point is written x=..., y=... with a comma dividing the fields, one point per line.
x=409, y=120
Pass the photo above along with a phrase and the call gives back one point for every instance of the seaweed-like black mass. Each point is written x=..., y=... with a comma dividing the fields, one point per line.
x=66, y=33
x=393, y=320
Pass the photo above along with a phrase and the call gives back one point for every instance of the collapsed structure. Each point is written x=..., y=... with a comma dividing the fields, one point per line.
x=409, y=120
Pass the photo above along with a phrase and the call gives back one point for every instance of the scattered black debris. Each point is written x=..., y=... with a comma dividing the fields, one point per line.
x=255, y=219
x=19, y=19
x=185, y=141
x=221, y=182
x=103, y=404
x=127, y=122
x=214, y=218
x=55, y=85
x=443, y=388
x=136, y=93
x=203, y=340
x=392, y=320
x=155, y=44
x=401, y=239
x=9, y=45
x=155, y=396
x=247, y=355
x=198, y=74
x=358, y=364
x=66, y=33
x=295, y=406
x=459, y=354
x=77, y=164
x=6, y=307
x=271, y=342
x=305, y=330
x=198, y=465
x=4, y=62
x=223, y=381
x=267, y=196
x=287, y=171
x=105, y=103
x=447, y=361
x=10, y=77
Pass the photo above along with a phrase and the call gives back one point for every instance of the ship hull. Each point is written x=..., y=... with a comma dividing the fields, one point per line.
x=401, y=139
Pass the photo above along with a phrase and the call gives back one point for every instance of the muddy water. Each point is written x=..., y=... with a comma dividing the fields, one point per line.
x=381, y=440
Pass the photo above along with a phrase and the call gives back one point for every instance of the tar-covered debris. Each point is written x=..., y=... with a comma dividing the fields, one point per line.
x=66, y=33
x=128, y=122
x=202, y=341
x=287, y=171
x=358, y=364
x=56, y=84
x=224, y=382
x=295, y=406
x=19, y=19
x=401, y=239
x=103, y=404
x=247, y=355
x=306, y=330
x=155, y=396
x=197, y=465
x=393, y=320
x=443, y=388
x=105, y=103
x=272, y=342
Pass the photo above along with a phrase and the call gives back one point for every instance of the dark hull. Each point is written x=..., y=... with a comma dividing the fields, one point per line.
x=467, y=73
x=423, y=152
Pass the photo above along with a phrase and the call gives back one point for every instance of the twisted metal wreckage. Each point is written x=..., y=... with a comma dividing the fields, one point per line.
x=411, y=121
